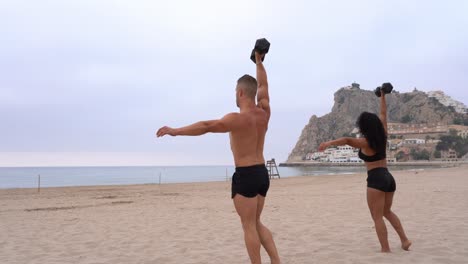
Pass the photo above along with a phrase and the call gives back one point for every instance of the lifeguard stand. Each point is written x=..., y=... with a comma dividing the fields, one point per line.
x=271, y=166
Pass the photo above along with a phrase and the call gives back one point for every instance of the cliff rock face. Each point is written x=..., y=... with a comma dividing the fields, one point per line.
x=414, y=107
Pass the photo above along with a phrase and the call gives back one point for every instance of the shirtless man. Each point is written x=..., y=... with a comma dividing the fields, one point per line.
x=250, y=181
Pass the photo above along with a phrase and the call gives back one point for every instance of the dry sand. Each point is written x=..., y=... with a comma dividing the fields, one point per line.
x=314, y=220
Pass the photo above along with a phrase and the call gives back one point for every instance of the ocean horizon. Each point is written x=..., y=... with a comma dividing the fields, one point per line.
x=62, y=176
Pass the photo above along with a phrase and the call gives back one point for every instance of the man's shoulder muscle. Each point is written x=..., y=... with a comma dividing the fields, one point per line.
x=232, y=119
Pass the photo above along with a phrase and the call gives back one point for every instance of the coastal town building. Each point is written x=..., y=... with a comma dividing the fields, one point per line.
x=432, y=141
x=404, y=139
x=433, y=128
x=340, y=154
x=405, y=129
x=413, y=141
x=463, y=133
x=446, y=100
x=449, y=155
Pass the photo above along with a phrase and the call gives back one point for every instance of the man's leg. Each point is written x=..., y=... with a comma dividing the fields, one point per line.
x=265, y=235
x=247, y=210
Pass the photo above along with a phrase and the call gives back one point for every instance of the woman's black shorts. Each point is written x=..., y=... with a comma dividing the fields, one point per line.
x=381, y=179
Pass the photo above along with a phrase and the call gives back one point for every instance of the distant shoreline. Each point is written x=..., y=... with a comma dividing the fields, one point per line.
x=354, y=164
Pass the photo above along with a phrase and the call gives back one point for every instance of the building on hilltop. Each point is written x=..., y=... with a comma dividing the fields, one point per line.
x=446, y=100
x=353, y=86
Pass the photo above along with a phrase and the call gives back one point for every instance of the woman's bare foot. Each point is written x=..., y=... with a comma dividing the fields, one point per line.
x=385, y=250
x=405, y=245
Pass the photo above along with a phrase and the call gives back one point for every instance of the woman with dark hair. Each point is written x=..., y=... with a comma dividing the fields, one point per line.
x=380, y=183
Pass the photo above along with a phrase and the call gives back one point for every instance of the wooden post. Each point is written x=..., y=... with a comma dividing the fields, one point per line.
x=38, y=183
x=159, y=178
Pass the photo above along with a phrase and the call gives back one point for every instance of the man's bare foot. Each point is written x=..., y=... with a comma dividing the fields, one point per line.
x=385, y=250
x=405, y=245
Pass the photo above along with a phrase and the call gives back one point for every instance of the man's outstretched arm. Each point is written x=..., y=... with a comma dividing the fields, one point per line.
x=263, y=97
x=223, y=125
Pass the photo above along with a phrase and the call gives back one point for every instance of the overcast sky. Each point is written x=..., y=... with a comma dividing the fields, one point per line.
x=88, y=82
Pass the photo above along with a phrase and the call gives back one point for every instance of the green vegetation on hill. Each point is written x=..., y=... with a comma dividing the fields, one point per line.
x=461, y=120
x=452, y=141
x=406, y=119
x=420, y=154
x=400, y=156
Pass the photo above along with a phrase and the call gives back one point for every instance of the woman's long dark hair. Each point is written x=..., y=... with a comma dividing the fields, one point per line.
x=372, y=129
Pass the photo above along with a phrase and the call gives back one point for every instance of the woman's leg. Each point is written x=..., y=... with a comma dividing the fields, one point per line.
x=376, y=202
x=395, y=221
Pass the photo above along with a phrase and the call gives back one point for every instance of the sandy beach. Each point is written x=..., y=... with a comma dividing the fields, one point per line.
x=313, y=219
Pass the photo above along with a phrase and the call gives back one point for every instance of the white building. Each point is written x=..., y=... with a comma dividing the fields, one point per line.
x=344, y=151
x=448, y=101
x=317, y=156
x=414, y=141
x=340, y=154
x=338, y=160
x=433, y=141
x=355, y=160
x=346, y=154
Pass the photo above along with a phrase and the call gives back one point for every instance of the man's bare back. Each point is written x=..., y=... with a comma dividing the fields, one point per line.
x=248, y=139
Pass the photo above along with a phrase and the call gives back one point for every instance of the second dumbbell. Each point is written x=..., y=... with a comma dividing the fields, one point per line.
x=386, y=88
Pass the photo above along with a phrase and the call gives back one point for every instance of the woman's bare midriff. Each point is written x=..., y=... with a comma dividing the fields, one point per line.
x=376, y=164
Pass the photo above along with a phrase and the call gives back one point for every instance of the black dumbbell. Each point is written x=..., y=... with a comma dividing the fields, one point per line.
x=261, y=46
x=386, y=88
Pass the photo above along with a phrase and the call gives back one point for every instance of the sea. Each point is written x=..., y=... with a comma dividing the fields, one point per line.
x=31, y=177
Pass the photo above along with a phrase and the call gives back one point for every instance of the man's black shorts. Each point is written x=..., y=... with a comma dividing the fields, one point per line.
x=250, y=181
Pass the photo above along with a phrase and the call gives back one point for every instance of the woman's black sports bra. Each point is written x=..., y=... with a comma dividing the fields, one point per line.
x=376, y=157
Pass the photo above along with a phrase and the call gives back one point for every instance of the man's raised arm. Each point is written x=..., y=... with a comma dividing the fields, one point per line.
x=263, y=98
